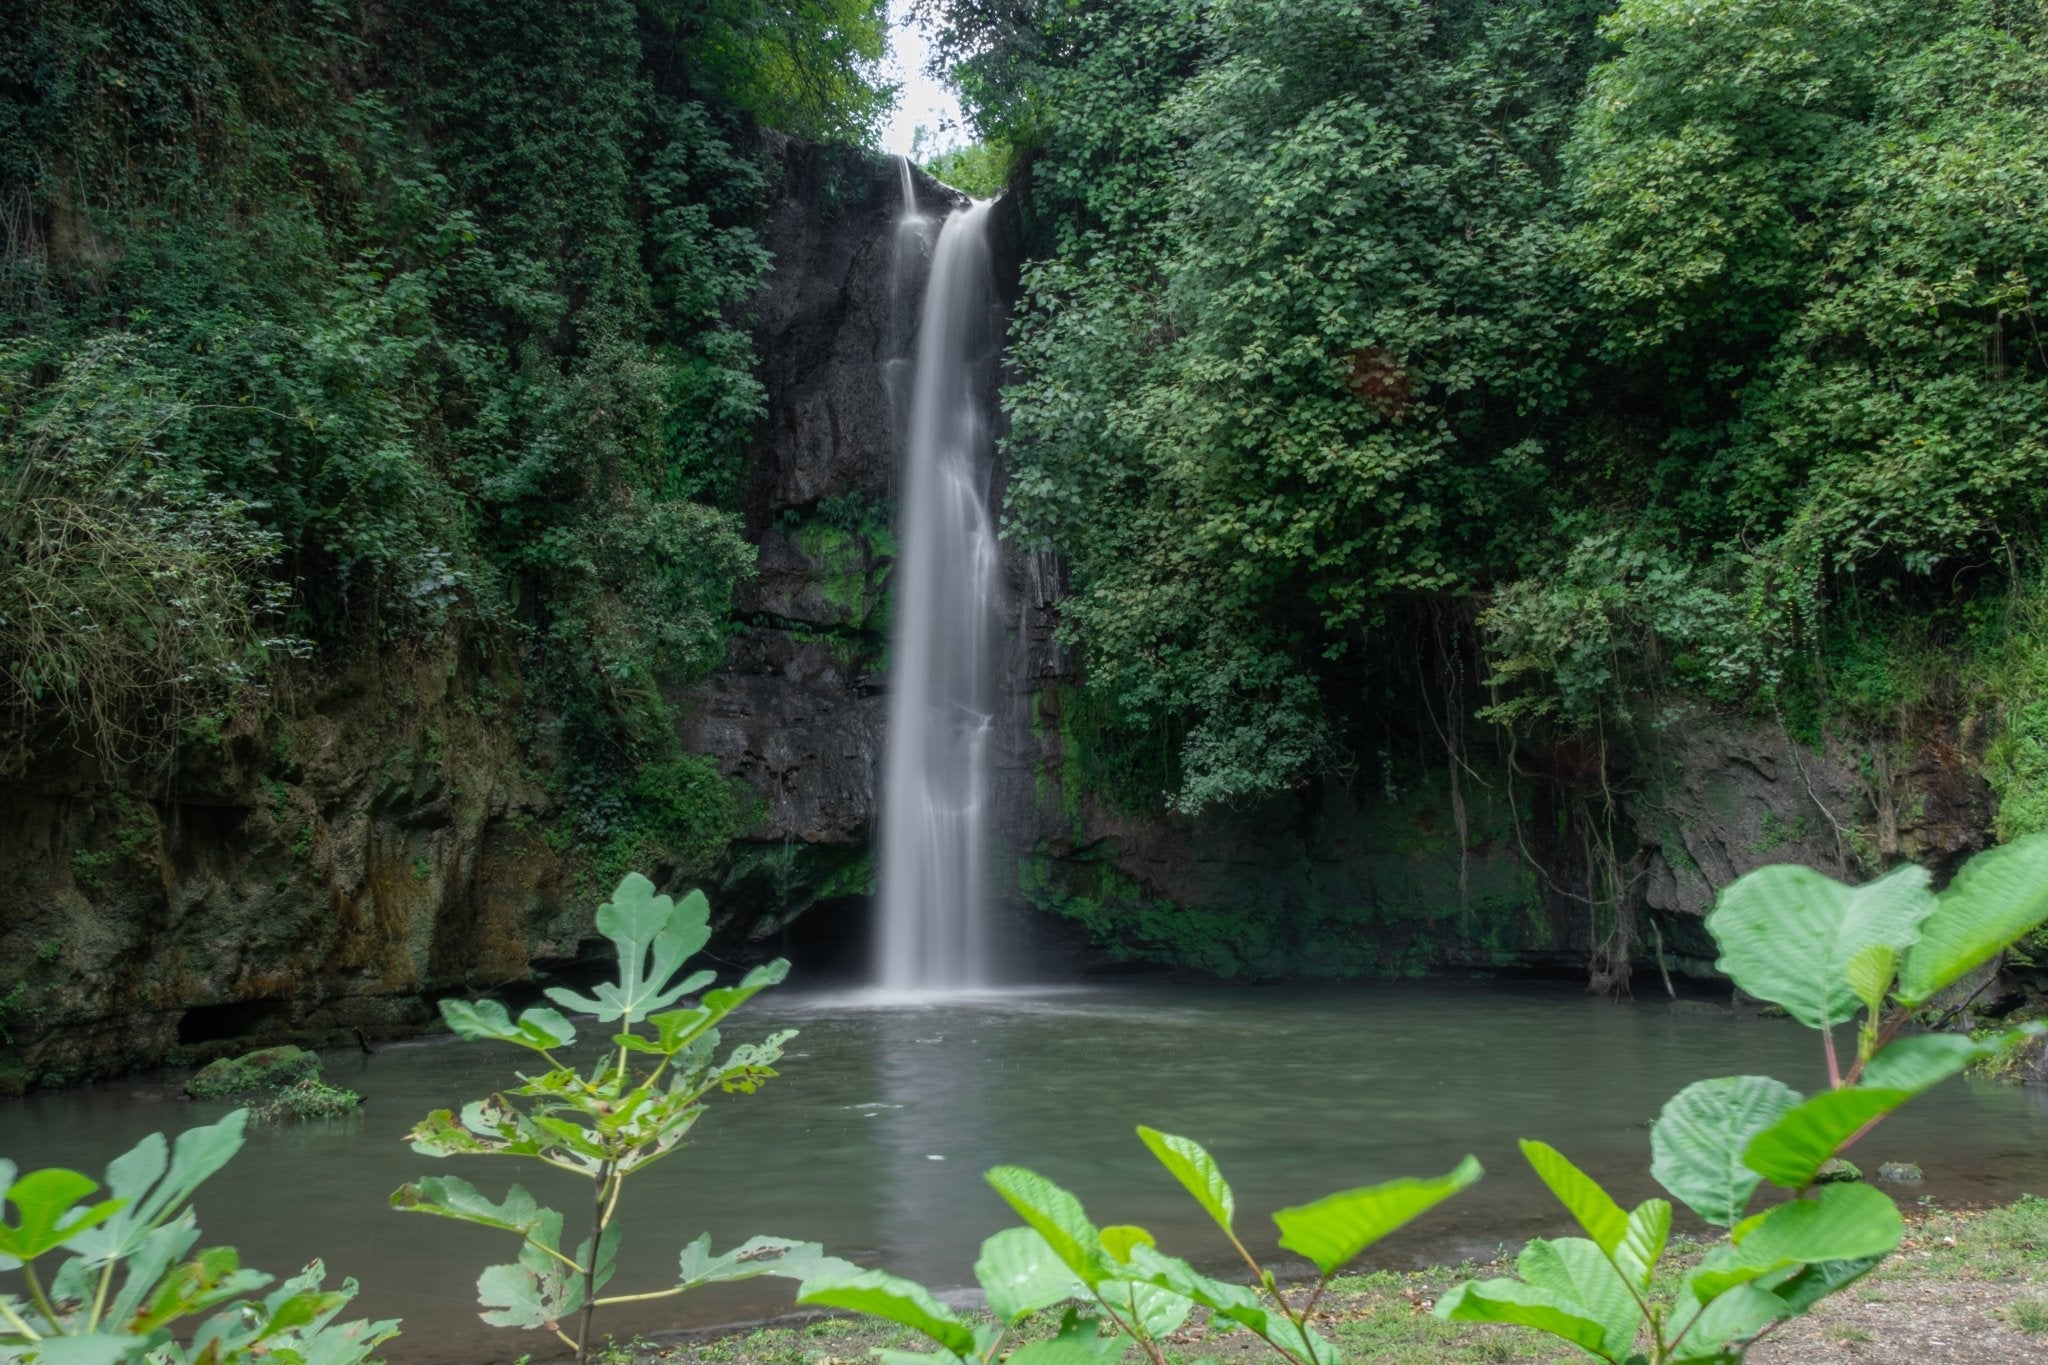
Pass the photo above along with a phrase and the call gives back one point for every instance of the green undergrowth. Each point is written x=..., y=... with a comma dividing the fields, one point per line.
x=1384, y=1316
x=310, y=1098
x=340, y=330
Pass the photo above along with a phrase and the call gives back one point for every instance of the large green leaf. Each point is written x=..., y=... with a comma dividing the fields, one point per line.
x=1708, y=1331
x=1788, y=934
x=1188, y=1162
x=1998, y=896
x=539, y=1028
x=1817, y=1280
x=1697, y=1142
x=96, y=1348
x=1580, y=1194
x=1579, y=1273
x=533, y=1292
x=1021, y=1274
x=453, y=1197
x=1155, y=1312
x=1058, y=1218
x=1805, y=1137
x=1649, y=1229
x=1080, y=1342
x=1843, y=1222
x=654, y=935
x=50, y=1213
x=144, y=1264
x=880, y=1294
x=153, y=1186
x=1925, y=1060
x=1336, y=1228
x=1524, y=1305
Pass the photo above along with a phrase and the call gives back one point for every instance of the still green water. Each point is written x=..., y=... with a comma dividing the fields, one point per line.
x=873, y=1139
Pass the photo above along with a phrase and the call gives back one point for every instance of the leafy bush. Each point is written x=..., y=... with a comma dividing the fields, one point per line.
x=167, y=1309
x=606, y=1122
x=135, y=602
x=1122, y=1281
x=309, y=1099
x=1822, y=951
x=979, y=169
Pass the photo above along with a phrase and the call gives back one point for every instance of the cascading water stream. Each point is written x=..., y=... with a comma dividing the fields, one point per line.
x=935, y=789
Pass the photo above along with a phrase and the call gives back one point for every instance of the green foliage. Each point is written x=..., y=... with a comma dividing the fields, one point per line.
x=1279, y=370
x=1670, y=344
x=135, y=602
x=2015, y=694
x=309, y=1099
x=980, y=169
x=330, y=326
x=812, y=69
x=604, y=1122
x=170, y=1307
x=270, y=1068
x=1115, y=1278
x=1819, y=949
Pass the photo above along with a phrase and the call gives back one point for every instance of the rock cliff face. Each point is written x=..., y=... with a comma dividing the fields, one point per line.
x=381, y=840
x=376, y=842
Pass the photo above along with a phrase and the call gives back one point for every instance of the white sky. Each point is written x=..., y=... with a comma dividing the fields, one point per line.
x=921, y=101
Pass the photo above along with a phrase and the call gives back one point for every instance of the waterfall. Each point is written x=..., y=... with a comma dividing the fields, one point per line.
x=935, y=790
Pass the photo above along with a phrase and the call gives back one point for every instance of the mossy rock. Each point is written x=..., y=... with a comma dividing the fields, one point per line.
x=1899, y=1173
x=270, y=1068
x=1838, y=1171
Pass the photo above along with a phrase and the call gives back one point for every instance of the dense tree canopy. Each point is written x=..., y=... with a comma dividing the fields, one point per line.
x=1651, y=340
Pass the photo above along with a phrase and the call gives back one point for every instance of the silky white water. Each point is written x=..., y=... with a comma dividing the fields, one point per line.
x=935, y=791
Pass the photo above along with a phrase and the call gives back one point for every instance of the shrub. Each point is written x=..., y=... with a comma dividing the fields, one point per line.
x=1825, y=952
x=309, y=1098
x=605, y=1122
x=1122, y=1281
